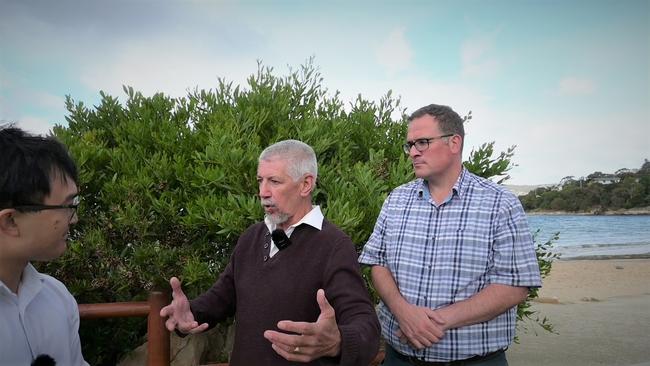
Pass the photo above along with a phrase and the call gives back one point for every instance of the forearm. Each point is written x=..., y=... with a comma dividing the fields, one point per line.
x=359, y=342
x=387, y=288
x=485, y=305
x=356, y=318
x=218, y=303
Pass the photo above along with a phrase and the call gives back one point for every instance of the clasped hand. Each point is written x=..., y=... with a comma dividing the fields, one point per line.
x=421, y=327
x=311, y=340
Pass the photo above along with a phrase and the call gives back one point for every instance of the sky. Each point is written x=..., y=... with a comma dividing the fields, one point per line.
x=567, y=82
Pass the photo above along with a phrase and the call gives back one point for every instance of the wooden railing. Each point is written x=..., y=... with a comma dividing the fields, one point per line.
x=158, y=353
x=157, y=334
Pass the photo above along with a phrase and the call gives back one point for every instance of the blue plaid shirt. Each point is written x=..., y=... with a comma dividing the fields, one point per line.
x=443, y=254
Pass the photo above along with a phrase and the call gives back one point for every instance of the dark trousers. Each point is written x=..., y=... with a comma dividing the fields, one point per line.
x=393, y=358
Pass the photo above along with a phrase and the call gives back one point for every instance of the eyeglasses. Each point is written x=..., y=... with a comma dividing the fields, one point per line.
x=422, y=144
x=35, y=208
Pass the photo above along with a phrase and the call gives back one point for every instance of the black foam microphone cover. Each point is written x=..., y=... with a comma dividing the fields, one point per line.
x=280, y=239
x=43, y=360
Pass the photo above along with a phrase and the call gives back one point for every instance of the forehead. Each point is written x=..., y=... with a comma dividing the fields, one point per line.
x=272, y=167
x=61, y=189
x=425, y=126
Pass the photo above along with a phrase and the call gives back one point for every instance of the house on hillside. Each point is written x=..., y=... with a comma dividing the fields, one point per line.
x=605, y=179
x=626, y=171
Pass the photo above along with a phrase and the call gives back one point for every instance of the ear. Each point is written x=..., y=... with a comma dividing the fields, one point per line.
x=307, y=185
x=8, y=223
x=456, y=144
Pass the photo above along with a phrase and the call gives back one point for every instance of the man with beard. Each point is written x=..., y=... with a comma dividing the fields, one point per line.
x=293, y=282
x=39, y=318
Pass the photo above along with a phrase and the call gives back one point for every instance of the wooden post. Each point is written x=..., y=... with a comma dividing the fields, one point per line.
x=158, y=336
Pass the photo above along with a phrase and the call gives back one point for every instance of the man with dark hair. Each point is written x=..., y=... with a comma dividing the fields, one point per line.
x=38, y=202
x=295, y=265
x=451, y=255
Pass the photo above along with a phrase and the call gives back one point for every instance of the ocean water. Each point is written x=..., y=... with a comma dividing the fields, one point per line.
x=584, y=235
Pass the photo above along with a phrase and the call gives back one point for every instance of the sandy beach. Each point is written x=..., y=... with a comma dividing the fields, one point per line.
x=600, y=310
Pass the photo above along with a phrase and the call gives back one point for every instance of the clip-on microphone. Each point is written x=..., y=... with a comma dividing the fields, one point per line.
x=280, y=239
x=43, y=360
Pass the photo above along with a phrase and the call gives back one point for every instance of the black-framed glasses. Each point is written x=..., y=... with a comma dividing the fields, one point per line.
x=35, y=207
x=422, y=144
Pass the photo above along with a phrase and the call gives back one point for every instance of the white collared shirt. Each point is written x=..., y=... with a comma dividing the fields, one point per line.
x=43, y=318
x=312, y=218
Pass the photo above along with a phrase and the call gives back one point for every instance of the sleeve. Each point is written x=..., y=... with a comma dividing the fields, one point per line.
x=515, y=260
x=219, y=302
x=356, y=317
x=374, y=251
x=76, y=357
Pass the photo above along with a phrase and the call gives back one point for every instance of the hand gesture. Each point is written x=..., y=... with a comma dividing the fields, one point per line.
x=314, y=340
x=179, y=313
x=421, y=327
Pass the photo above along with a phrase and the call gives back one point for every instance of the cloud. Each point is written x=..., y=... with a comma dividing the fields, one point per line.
x=169, y=66
x=34, y=125
x=477, y=59
x=575, y=86
x=554, y=143
x=26, y=104
x=395, y=52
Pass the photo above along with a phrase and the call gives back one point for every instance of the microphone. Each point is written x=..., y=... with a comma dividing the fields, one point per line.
x=43, y=360
x=280, y=239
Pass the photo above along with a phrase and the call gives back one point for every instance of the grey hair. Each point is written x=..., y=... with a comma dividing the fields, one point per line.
x=300, y=156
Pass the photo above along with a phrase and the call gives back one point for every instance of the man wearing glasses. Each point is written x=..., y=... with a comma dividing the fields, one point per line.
x=451, y=255
x=38, y=202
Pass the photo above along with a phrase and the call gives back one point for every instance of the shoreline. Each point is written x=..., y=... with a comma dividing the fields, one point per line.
x=598, y=310
x=605, y=257
x=638, y=211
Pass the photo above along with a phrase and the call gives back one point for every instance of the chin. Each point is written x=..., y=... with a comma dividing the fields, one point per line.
x=278, y=218
x=420, y=174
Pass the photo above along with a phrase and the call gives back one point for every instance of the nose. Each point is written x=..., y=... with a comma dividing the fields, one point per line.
x=413, y=152
x=264, y=191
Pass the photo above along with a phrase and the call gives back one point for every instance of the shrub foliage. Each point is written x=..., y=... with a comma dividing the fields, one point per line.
x=168, y=184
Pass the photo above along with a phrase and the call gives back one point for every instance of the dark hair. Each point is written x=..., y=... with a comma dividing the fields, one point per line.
x=28, y=165
x=448, y=120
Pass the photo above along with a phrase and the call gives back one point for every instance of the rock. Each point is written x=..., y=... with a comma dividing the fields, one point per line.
x=197, y=349
x=590, y=299
x=547, y=300
x=137, y=357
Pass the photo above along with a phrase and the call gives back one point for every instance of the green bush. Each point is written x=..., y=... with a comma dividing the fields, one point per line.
x=169, y=184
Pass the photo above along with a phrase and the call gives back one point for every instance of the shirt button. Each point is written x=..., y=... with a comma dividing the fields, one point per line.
x=266, y=246
x=266, y=258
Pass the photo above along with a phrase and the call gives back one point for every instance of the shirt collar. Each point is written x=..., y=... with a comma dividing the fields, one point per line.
x=30, y=284
x=461, y=183
x=457, y=189
x=313, y=218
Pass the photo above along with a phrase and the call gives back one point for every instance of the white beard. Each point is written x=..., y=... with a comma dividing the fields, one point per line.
x=277, y=218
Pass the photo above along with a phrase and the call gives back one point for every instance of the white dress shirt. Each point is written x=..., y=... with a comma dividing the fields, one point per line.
x=42, y=318
x=312, y=218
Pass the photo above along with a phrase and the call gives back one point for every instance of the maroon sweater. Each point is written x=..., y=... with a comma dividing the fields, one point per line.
x=260, y=291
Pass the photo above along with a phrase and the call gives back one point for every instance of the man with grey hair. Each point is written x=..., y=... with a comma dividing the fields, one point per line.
x=293, y=282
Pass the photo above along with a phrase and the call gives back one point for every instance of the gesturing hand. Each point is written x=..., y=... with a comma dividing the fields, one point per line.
x=419, y=326
x=179, y=313
x=314, y=340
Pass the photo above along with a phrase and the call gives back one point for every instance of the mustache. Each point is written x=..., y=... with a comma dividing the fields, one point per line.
x=268, y=202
